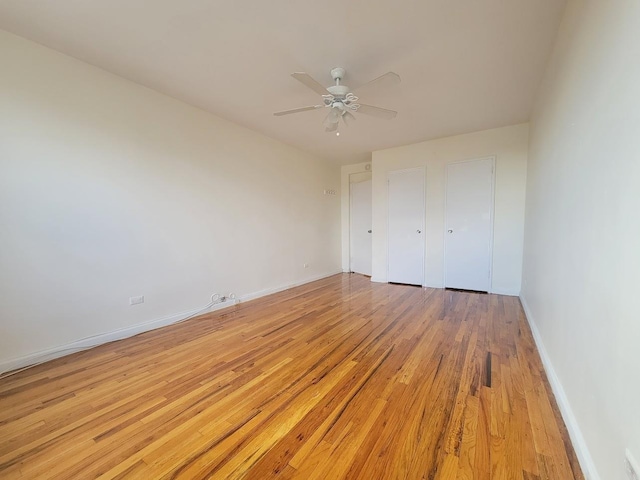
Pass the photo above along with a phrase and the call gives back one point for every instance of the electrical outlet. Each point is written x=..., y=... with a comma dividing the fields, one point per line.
x=136, y=300
x=306, y=265
x=226, y=298
x=631, y=466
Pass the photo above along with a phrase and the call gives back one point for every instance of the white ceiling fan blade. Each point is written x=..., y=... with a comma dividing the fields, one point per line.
x=331, y=127
x=377, y=111
x=297, y=110
x=309, y=82
x=347, y=116
x=333, y=116
x=387, y=80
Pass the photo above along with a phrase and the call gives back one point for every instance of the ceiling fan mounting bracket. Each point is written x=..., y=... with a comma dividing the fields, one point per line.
x=337, y=73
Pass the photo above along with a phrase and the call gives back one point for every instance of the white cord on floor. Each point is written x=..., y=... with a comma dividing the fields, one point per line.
x=215, y=300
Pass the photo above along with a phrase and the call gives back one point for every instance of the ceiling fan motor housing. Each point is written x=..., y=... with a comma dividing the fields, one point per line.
x=338, y=90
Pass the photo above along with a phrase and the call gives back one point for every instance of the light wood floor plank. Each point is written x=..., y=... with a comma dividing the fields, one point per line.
x=337, y=379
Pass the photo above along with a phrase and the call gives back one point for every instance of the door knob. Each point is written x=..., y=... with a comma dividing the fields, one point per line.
x=449, y=231
x=419, y=231
x=368, y=231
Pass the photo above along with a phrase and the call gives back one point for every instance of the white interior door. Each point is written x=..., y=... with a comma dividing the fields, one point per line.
x=406, y=226
x=360, y=234
x=469, y=225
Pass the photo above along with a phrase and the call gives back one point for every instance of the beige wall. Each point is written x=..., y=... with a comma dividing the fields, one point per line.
x=509, y=146
x=582, y=242
x=110, y=190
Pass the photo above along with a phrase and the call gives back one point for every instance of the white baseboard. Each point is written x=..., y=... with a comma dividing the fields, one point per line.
x=269, y=291
x=577, y=439
x=505, y=291
x=100, y=339
x=379, y=280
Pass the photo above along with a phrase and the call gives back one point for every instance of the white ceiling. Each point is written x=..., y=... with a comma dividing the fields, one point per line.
x=466, y=65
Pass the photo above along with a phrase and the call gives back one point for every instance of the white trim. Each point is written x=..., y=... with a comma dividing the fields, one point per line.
x=492, y=220
x=505, y=291
x=422, y=169
x=577, y=439
x=121, y=333
x=269, y=291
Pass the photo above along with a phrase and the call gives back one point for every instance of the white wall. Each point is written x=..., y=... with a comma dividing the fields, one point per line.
x=582, y=241
x=110, y=190
x=509, y=145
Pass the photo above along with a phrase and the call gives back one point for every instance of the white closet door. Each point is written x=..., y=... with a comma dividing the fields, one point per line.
x=469, y=224
x=406, y=226
x=360, y=234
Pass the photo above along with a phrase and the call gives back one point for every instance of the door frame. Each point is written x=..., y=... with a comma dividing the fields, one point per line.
x=491, y=220
x=423, y=170
x=351, y=217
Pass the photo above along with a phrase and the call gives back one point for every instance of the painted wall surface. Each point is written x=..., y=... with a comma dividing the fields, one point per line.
x=582, y=237
x=509, y=146
x=110, y=190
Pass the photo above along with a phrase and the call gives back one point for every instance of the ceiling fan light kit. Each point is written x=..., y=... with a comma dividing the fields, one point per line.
x=342, y=103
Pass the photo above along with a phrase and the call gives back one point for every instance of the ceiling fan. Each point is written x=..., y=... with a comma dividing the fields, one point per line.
x=339, y=99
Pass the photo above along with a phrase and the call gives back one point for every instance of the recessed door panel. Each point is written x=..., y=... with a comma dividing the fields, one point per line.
x=360, y=234
x=406, y=226
x=469, y=225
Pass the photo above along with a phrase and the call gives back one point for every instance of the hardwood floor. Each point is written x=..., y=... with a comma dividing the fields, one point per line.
x=340, y=378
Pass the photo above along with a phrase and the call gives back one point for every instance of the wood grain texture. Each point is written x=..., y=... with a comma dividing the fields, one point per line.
x=338, y=379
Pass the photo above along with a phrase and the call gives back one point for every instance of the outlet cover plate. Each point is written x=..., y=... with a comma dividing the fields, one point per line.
x=136, y=300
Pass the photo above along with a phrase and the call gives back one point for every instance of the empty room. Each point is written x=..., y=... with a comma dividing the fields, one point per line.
x=329, y=240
